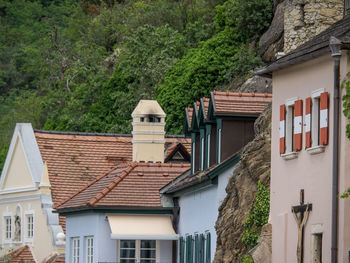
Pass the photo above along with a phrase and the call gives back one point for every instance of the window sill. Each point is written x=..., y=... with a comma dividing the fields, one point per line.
x=316, y=149
x=289, y=156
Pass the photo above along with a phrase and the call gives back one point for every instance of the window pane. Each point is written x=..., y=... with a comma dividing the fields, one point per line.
x=148, y=244
x=127, y=244
x=147, y=261
x=127, y=261
x=127, y=253
x=148, y=254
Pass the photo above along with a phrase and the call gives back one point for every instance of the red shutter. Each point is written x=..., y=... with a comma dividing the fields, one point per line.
x=282, y=129
x=298, y=124
x=324, y=118
x=308, y=122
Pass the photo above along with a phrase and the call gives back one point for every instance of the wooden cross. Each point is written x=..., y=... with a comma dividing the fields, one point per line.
x=303, y=210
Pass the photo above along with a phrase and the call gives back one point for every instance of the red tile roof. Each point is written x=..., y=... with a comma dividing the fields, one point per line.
x=237, y=103
x=20, y=255
x=74, y=159
x=55, y=258
x=129, y=185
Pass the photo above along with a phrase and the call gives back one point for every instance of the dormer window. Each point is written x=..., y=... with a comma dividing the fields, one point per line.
x=142, y=119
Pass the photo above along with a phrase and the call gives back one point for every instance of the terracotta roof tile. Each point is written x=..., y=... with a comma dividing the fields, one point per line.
x=20, y=255
x=75, y=159
x=240, y=103
x=56, y=258
x=132, y=185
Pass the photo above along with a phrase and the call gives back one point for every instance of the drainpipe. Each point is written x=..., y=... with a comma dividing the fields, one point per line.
x=335, y=45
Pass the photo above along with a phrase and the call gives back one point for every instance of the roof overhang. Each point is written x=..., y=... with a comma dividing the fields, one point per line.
x=145, y=227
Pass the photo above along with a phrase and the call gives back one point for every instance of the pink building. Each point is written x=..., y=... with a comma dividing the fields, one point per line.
x=310, y=157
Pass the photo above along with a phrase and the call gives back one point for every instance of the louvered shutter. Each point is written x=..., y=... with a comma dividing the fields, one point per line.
x=298, y=124
x=308, y=105
x=282, y=129
x=324, y=118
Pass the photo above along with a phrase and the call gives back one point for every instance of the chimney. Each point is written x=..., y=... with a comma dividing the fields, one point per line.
x=148, y=132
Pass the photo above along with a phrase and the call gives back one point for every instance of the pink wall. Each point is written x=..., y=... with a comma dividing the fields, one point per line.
x=313, y=173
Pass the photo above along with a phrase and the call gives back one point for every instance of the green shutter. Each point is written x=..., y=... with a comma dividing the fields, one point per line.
x=189, y=247
x=207, y=252
x=181, y=250
x=201, y=248
x=196, y=249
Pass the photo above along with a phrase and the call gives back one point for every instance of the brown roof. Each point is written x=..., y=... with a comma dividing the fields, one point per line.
x=240, y=104
x=188, y=180
x=56, y=258
x=317, y=46
x=20, y=255
x=128, y=185
x=74, y=159
x=206, y=106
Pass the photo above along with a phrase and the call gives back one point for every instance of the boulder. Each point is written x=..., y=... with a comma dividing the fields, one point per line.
x=262, y=253
x=272, y=40
x=256, y=84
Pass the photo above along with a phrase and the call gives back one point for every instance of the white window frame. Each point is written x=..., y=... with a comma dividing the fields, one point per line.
x=89, y=249
x=315, y=123
x=6, y=240
x=27, y=238
x=75, y=249
x=138, y=250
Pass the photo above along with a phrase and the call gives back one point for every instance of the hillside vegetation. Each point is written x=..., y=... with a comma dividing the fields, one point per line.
x=84, y=65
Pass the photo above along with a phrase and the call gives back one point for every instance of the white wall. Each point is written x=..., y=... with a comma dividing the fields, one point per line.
x=199, y=209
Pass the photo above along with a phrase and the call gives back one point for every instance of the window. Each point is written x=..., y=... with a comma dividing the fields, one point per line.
x=142, y=119
x=289, y=128
x=90, y=249
x=30, y=225
x=148, y=251
x=132, y=251
x=219, y=145
x=208, y=150
x=202, y=153
x=75, y=249
x=193, y=156
x=8, y=227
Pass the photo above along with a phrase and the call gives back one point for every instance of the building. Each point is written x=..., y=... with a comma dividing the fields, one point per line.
x=119, y=216
x=310, y=151
x=43, y=168
x=219, y=127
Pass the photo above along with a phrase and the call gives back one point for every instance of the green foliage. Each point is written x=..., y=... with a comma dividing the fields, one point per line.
x=3, y=153
x=346, y=104
x=246, y=259
x=257, y=217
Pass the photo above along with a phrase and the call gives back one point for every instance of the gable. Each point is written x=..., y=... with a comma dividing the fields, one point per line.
x=18, y=173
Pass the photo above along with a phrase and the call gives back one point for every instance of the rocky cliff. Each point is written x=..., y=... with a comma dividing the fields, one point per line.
x=241, y=190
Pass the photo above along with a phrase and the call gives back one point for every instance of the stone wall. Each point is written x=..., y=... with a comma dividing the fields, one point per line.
x=303, y=19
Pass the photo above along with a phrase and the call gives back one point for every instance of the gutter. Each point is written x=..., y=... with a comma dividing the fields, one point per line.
x=335, y=46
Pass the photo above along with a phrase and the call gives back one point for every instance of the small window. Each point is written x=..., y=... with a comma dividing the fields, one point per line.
x=75, y=249
x=316, y=248
x=30, y=226
x=202, y=153
x=90, y=249
x=127, y=251
x=193, y=156
x=315, y=121
x=208, y=150
x=151, y=118
x=158, y=119
x=148, y=251
x=8, y=227
x=289, y=128
x=142, y=119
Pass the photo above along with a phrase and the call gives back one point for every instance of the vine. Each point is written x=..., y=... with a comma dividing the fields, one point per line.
x=258, y=217
x=346, y=103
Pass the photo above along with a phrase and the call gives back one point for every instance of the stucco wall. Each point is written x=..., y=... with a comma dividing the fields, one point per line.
x=199, y=209
x=313, y=173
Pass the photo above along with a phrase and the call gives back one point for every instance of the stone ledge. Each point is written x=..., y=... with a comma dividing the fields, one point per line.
x=289, y=156
x=316, y=149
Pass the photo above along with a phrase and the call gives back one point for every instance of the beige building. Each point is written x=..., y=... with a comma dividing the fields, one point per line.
x=310, y=151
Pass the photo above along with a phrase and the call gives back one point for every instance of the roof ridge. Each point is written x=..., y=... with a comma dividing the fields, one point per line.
x=85, y=187
x=115, y=182
x=242, y=94
x=18, y=251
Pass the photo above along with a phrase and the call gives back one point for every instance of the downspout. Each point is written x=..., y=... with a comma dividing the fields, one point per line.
x=335, y=45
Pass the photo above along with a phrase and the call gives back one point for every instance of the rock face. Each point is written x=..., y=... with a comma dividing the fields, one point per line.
x=256, y=84
x=272, y=40
x=241, y=191
x=262, y=253
x=303, y=19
